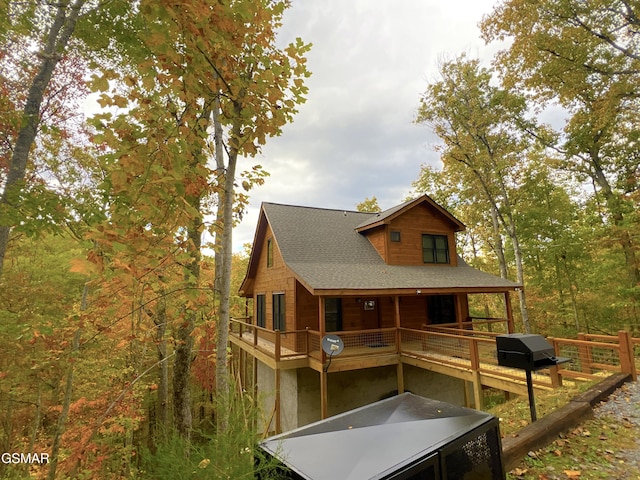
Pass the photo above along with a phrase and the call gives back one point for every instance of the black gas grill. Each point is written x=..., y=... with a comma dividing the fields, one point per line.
x=528, y=352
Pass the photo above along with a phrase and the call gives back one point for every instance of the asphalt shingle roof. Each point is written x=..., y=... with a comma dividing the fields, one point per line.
x=323, y=248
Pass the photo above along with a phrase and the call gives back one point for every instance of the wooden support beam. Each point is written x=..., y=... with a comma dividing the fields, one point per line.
x=399, y=369
x=396, y=302
x=478, y=396
x=321, y=315
x=278, y=405
x=627, y=359
x=324, y=410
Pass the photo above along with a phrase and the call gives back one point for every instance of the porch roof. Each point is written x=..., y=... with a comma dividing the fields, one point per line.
x=339, y=276
x=323, y=248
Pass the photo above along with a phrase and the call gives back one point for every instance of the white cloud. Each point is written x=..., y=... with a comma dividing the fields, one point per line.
x=354, y=137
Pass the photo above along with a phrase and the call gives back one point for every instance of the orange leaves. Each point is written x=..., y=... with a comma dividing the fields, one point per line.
x=573, y=473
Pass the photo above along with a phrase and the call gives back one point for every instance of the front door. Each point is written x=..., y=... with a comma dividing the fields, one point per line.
x=369, y=313
x=441, y=309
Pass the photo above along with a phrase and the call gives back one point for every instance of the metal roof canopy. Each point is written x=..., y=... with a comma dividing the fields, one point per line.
x=386, y=440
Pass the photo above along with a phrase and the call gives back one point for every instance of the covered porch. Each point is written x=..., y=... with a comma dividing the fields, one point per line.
x=345, y=311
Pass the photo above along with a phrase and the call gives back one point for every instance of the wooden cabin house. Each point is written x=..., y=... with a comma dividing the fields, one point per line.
x=379, y=281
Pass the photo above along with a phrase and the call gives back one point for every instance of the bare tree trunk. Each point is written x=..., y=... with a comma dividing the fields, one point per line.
x=223, y=257
x=182, y=415
x=160, y=320
x=499, y=245
x=57, y=39
x=66, y=403
x=517, y=252
x=615, y=209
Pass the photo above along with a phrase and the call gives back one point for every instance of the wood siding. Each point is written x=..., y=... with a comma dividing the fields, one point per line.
x=379, y=239
x=413, y=311
x=412, y=225
x=274, y=279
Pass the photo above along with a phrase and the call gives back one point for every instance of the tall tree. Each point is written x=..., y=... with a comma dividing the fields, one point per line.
x=586, y=57
x=484, y=142
x=60, y=21
x=213, y=88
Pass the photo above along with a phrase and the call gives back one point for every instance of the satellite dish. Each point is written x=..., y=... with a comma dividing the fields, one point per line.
x=332, y=345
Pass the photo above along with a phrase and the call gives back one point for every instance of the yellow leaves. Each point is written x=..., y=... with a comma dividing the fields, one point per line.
x=82, y=266
x=573, y=473
x=519, y=472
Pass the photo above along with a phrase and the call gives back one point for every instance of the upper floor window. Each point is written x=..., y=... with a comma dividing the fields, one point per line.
x=395, y=236
x=435, y=248
x=270, y=252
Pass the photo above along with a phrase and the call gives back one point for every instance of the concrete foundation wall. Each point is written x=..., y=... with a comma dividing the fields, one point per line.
x=434, y=385
x=345, y=390
x=266, y=396
x=300, y=391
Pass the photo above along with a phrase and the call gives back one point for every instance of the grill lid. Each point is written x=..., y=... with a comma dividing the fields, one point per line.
x=526, y=351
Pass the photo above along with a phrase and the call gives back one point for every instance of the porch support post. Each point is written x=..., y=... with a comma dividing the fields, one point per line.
x=324, y=410
x=478, y=399
x=399, y=369
x=507, y=303
x=321, y=325
x=254, y=362
x=460, y=313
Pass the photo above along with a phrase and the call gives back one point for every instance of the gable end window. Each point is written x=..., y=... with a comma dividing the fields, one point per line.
x=435, y=248
x=394, y=236
x=270, y=252
x=278, y=312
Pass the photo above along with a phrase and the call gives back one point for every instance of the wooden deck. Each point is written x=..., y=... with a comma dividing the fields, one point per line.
x=465, y=354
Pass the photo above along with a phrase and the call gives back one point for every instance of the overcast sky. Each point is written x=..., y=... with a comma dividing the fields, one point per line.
x=354, y=137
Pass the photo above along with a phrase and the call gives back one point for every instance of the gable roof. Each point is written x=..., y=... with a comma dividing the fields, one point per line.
x=387, y=215
x=325, y=251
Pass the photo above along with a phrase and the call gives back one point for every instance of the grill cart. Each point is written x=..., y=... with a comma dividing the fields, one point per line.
x=529, y=352
x=405, y=437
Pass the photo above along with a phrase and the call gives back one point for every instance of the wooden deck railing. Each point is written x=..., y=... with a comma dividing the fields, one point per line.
x=277, y=344
x=470, y=352
x=489, y=325
x=591, y=355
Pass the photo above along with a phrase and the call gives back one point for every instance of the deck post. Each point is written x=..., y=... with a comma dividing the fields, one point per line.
x=475, y=371
x=554, y=372
x=324, y=411
x=399, y=367
x=627, y=360
x=321, y=325
x=277, y=405
x=396, y=301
